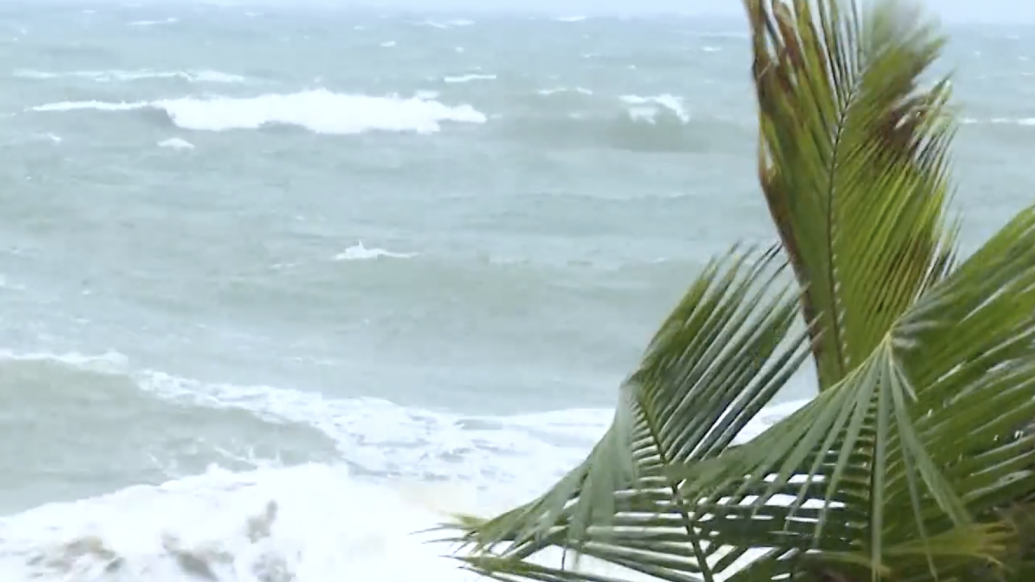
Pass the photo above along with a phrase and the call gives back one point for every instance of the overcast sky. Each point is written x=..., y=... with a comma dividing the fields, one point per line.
x=950, y=10
x=985, y=10
x=1002, y=11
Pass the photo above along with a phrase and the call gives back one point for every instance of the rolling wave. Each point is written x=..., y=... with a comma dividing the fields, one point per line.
x=320, y=111
x=306, y=522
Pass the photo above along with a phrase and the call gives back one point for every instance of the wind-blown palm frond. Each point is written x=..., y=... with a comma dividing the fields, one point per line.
x=720, y=357
x=929, y=421
x=911, y=464
x=852, y=162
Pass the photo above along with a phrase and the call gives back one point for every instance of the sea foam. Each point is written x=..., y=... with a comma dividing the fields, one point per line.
x=302, y=523
x=318, y=110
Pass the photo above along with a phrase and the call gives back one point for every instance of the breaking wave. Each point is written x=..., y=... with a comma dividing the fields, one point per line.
x=319, y=111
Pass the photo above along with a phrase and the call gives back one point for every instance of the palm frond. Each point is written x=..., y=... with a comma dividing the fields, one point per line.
x=718, y=359
x=852, y=161
x=914, y=463
x=929, y=422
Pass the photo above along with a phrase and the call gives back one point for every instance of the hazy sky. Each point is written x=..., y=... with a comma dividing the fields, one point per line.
x=997, y=11
x=984, y=10
x=950, y=10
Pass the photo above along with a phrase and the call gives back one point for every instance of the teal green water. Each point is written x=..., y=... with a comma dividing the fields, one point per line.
x=351, y=261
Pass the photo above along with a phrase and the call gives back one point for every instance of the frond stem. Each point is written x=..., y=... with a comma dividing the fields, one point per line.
x=688, y=523
x=831, y=283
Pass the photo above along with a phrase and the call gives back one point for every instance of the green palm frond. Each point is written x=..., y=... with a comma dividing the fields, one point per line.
x=925, y=430
x=852, y=160
x=719, y=358
x=914, y=462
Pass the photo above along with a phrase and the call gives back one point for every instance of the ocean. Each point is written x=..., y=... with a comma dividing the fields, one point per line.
x=363, y=268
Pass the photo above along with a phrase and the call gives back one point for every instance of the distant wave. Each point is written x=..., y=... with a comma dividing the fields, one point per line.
x=176, y=143
x=637, y=131
x=1029, y=121
x=454, y=23
x=468, y=78
x=115, y=75
x=648, y=108
x=1022, y=121
x=358, y=252
x=319, y=111
x=556, y=90
x=170, y=20
x=575, y=117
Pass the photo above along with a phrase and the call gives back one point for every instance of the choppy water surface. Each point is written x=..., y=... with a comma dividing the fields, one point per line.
x=359, y=264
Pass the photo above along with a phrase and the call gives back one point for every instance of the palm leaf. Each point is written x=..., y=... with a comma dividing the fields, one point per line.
x=852, y=162
x=721, y=356
x=909, y=464
x=930, y=419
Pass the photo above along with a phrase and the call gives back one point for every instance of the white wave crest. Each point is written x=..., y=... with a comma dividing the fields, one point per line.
x=320, y=111
x=1030, y=121
x=456, y=22
x=358, y=252
x=170, y=20
x=468, y=78
x=116, y=75
x=648, y=108
x=556, y=90
x=176, y=143
x=1022, y=121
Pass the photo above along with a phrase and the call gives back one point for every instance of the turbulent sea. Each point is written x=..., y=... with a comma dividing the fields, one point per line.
x=361, y=268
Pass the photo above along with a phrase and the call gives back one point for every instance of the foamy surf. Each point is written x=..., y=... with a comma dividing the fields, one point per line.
x=319, y=111
x=303, y=523
x=310, y=523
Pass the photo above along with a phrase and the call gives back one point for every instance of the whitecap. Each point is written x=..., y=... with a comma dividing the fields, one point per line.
x=176, y=143
x=114, y=75
x=456, y=22
x=358, y=252
x=647, y=108
x=1013, y=121
x=319, y=110
x=153, y=22
x=467, y=78
x=556, y=90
